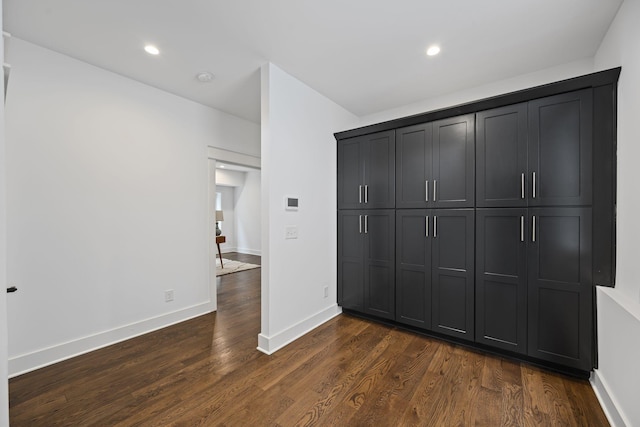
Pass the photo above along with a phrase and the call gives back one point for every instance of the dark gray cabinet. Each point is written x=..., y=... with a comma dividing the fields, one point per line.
x=366, y=171
x=534, y=292
x=488, y=221
x=560, y=286
x=366, y=254
x=537, y=153
x=435, y=164
x=501, y=278
x=434, y=270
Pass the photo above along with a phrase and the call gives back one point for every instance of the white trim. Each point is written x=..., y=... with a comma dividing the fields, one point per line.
x=607, y=401
x=234, y=157
x=632, y=307
x=24, y=363
x=270, y=345
x=256, y=252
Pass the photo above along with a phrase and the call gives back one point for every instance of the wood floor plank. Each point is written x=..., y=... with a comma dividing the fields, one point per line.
x=347, y=372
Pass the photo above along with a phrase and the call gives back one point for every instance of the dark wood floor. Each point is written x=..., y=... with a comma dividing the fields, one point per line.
x=348, y=372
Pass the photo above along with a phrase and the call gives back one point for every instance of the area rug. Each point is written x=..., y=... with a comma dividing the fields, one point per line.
x=231, y=266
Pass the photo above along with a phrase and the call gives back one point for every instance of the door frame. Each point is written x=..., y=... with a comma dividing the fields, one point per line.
x=215, y=155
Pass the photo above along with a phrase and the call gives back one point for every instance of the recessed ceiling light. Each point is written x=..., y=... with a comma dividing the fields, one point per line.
x=204, y=77
x=151, y=49
x=433, y=50
x=222, y=166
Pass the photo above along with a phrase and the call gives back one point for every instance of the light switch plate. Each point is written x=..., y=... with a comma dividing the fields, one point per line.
x=291, y=232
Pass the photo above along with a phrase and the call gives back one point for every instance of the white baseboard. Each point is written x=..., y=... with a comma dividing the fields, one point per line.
x=270, y=345
x=607, y=401
x=24, y=363
x=257, y=252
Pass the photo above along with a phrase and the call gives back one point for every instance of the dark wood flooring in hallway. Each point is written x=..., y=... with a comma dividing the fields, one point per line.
x=348, y=372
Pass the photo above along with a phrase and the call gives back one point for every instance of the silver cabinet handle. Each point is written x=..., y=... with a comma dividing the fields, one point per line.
x=533, y=229
x=366, y=193
x=360, y=223
x=435, y=226
x=359, y=193
x=426, y=191
x=534, y=185
x=426, y=226
x=366, y=224
x=434, y=191
x=522, y=185
x=522, y=228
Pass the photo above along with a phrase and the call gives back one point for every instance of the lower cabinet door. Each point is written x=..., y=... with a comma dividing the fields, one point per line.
x=501, y=280
x=379, y=263
x=560, y=287
x=351, y=259
x=452, y=272
x=413, y=267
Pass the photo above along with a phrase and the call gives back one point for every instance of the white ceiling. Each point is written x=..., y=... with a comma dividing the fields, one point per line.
x=366, y=55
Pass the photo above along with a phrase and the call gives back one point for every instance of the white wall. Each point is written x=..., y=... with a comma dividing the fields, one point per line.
x=229, y=178
x=525, y=81
x=298, y=159
x=617, y=378
x=4, y=367
x=247, y=200
x=107, y=204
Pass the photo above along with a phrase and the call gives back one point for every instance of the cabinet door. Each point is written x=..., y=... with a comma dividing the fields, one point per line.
x=452, y=272
x=560, y=149
x=413, y=166
x=351, y=260
x=560, y=287
x=379, y=263
x=501, y=154
x=501, y=280
x=379, y=151
x=413, y=267
x=453, y=162
x=350, y=174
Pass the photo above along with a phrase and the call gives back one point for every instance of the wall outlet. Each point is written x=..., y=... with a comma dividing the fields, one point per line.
x=168, y=295
x=326, y=291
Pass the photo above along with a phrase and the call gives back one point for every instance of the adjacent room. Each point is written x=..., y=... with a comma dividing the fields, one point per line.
x=242, y=213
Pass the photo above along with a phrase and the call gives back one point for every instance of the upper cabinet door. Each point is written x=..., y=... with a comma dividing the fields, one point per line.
x=501, y=157
x=350, y=173
x=366, y=171
x=414, y=151
x=453, y=162
x=560, y=149
x=379, y=170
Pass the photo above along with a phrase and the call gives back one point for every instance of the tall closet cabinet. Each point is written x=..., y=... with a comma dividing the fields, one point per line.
x=489, y=223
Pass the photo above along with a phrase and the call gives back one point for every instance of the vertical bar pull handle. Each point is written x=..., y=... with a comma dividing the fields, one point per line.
x=522, y=185
x=360, y=223
x=533, y=229
x=522, y=228
x=359, y=193
x=435, y=226
x=434, y=192
x=366, y=193
x=534, y=185
x=426, y=191
x=426, y=226
x=366, y=224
